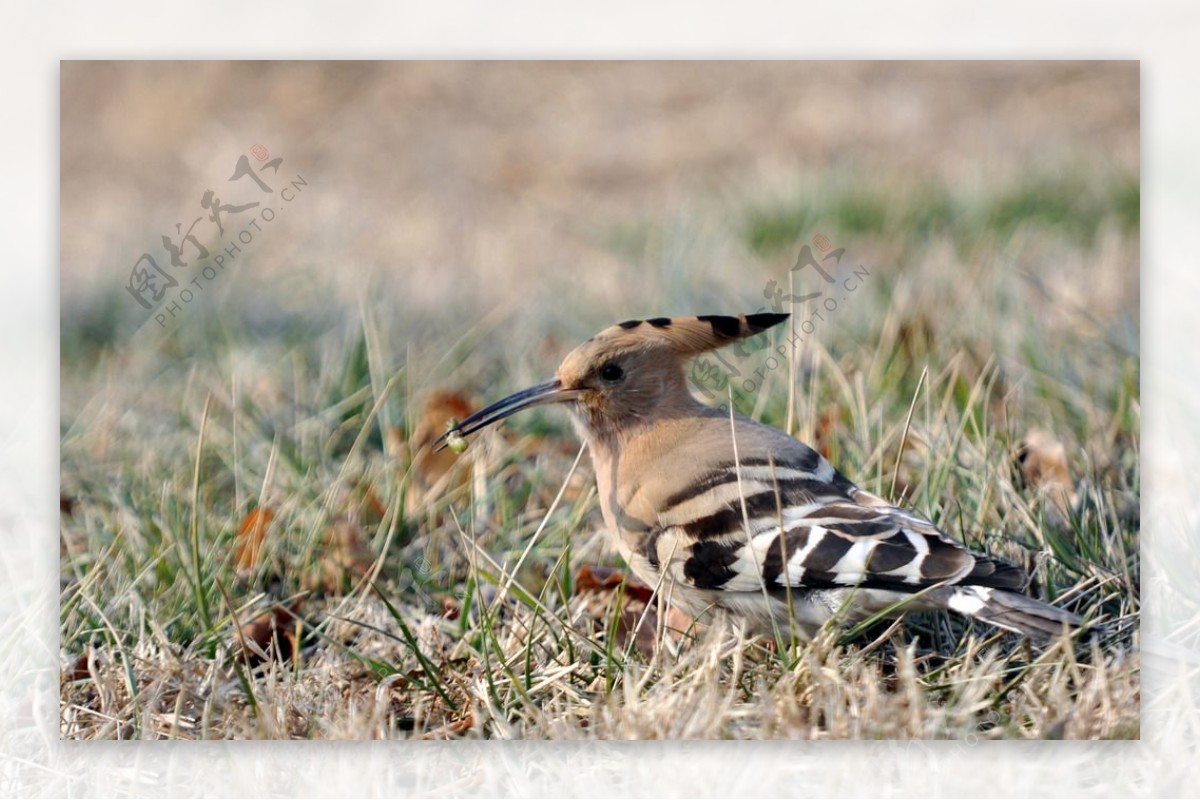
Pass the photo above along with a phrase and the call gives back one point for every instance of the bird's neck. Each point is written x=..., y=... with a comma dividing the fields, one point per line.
x=612, y=434
x=621, y=454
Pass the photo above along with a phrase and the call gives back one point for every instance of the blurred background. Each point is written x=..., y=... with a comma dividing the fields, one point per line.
x=574, y=194
x=292, y=236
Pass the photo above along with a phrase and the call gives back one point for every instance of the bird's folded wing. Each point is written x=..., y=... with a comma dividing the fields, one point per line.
x=777, y=514
x=802, y=534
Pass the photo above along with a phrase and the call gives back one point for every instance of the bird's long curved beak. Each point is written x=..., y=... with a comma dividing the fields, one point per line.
x=548, y=392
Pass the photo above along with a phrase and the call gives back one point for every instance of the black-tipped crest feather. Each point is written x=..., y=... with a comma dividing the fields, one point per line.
x=692, y=335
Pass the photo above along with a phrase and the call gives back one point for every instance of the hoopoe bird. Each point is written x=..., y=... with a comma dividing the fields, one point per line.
x=729, y=513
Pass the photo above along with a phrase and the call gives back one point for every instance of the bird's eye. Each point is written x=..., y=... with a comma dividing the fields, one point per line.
x=611, y=372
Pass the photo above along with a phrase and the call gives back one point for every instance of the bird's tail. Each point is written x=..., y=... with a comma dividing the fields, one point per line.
x=1012, y=611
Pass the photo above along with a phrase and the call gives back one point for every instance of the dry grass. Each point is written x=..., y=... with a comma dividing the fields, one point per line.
x=447, y=607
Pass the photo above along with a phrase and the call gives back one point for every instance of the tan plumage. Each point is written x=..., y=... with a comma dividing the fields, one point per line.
x=737, y=515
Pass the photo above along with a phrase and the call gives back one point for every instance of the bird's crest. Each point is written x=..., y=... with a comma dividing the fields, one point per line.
x=689, y=336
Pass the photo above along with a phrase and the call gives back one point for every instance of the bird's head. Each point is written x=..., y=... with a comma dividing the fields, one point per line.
x=628, y=373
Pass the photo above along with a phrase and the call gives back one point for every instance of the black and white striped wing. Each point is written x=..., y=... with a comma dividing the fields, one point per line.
x=841, y=544
x=779, y=527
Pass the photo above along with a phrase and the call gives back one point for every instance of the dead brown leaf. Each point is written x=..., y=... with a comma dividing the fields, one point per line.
x=250, y=538
x=434, y=473
x=274, y=634
x=440, y=408
x=597, y=579
x=452, y=729
x=451, y=608
x=344, y=556
x=827, y=430
x=79, y=671
x=1042, y=464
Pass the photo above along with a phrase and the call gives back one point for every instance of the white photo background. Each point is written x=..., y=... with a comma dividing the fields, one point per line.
x=1036, y=763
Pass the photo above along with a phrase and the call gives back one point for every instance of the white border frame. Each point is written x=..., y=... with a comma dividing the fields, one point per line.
x=33, y=762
